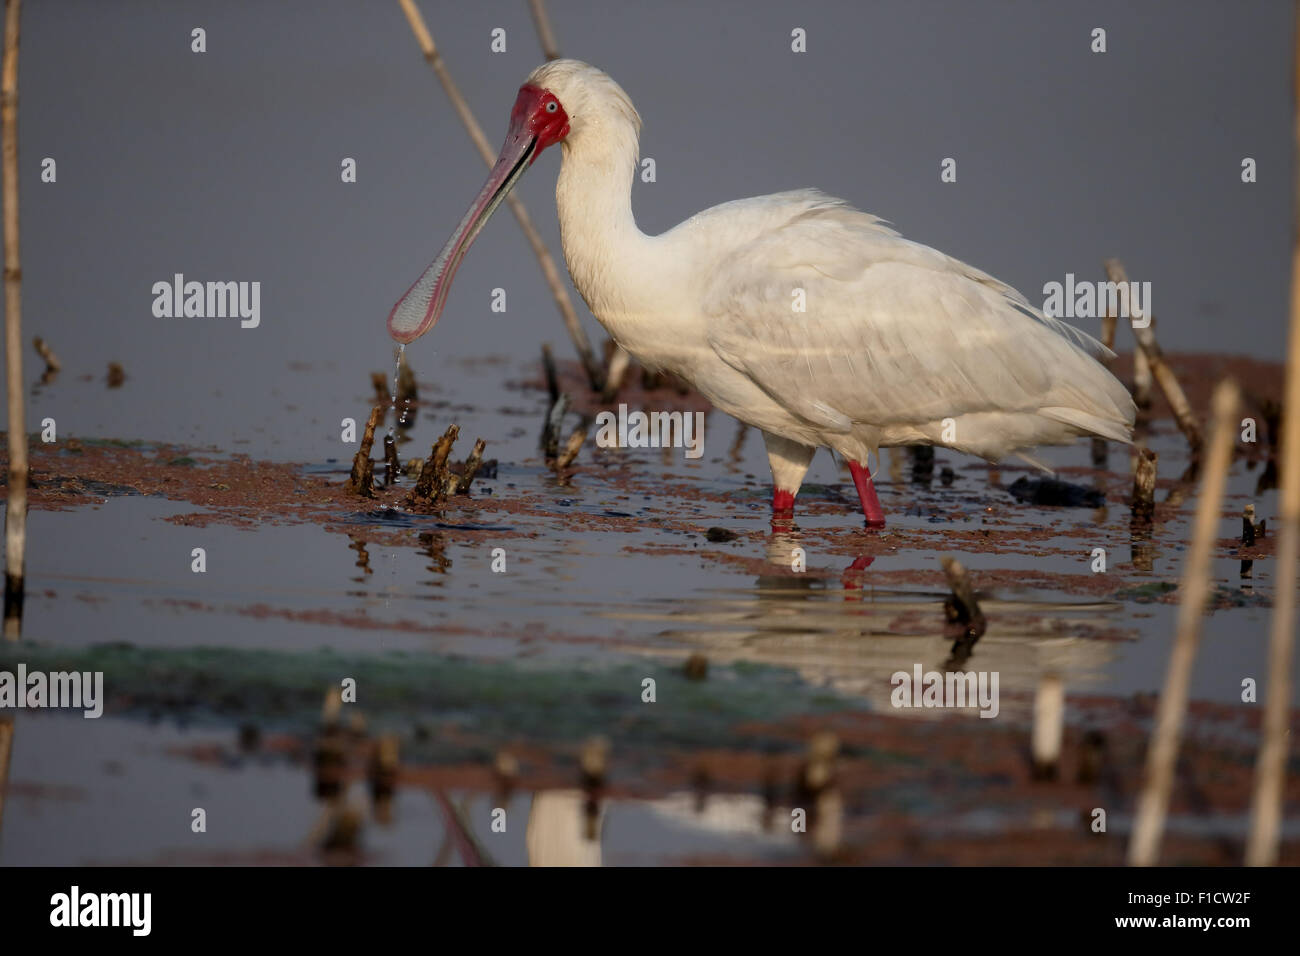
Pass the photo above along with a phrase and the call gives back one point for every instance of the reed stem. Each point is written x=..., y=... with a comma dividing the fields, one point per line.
x=1158, y=368
x=6, y=750
x=1148, y=830
x=16, y=507
x=545, y=35
x=1270, y=766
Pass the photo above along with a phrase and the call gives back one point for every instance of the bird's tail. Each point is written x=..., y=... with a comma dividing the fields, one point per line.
x=1089, y=424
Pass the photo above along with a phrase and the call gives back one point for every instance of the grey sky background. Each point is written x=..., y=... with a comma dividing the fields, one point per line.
x=225, y=166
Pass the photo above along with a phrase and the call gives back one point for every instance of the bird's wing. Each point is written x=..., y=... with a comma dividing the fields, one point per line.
x=893, y=332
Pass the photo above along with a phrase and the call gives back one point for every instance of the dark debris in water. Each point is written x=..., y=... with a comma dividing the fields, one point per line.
x=1223, y=597
x=387, y=517
x=1147, y=593
x=71, y=485
x=1052, y=492
x=1166, y=592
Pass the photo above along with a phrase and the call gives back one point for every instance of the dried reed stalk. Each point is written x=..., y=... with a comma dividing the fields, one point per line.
x=1160, y=370
x=16, y=509
x=1148, y=829
x=1270, y=766
x=545, y=35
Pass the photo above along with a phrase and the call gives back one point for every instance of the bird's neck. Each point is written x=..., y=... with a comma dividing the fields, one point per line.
x=602, y=244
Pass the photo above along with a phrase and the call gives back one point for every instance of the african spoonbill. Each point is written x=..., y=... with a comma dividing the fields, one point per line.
x=897, y=343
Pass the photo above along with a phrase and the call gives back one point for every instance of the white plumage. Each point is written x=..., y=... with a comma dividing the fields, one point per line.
x=895, y=340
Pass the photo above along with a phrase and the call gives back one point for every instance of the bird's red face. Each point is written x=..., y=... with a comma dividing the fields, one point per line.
x=536, y=122
x=539, y=112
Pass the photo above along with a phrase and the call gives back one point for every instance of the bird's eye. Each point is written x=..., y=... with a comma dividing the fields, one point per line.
x=551, y=107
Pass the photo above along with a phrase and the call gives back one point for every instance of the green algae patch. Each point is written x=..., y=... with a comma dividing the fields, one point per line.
x=482, y=702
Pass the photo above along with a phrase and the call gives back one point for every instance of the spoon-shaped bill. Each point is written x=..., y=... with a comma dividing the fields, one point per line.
x=418, y=310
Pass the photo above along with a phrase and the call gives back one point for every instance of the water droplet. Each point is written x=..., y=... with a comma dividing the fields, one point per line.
x=392, y=402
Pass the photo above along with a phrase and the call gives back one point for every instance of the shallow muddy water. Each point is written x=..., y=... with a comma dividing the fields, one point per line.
x=610, y=577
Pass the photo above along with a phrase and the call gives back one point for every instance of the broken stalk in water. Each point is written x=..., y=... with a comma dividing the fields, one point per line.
x=1108, y=321
x=1144, y=487
x=1160, y=369
x=966, y=623
x=1049, y=727
x=362, y=480
x=570, y=451
x=52, y=364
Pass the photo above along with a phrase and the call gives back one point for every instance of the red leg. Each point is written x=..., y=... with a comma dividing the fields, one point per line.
x=875, y=515
x=782, y=501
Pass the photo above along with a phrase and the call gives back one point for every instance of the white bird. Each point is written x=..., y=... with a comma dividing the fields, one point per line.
x=897, y=343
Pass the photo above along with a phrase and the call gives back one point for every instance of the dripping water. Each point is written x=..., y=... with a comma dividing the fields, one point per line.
x=393, y=471
x=392, y=465
x=397, y=375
